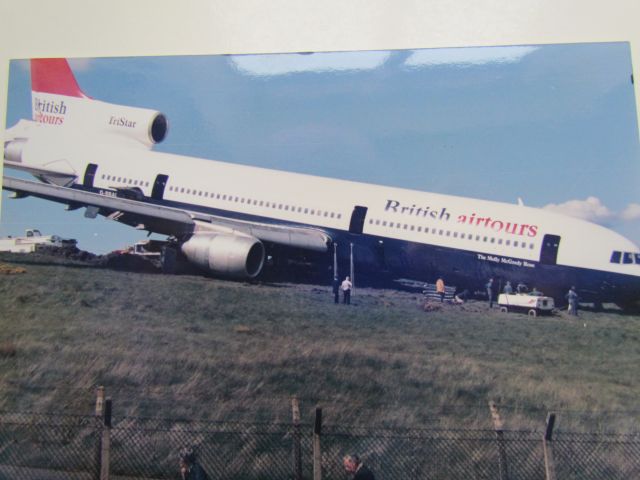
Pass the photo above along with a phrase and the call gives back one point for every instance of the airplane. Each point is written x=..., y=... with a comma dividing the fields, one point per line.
x=227, y=219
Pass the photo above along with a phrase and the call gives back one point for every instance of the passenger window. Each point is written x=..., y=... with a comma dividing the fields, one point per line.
x=616, y=257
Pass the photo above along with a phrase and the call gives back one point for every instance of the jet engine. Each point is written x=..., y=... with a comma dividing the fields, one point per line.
x=228, y=255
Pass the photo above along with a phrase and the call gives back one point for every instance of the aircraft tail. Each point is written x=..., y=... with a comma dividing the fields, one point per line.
x=53, y=75
x=57, y=100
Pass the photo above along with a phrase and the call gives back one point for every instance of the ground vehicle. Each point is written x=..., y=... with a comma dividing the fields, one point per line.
x=33, y=240
x=533, y=305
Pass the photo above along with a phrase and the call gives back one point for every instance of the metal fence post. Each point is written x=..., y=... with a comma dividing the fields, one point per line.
x=502, y=451
x=317, y=453
x=99, y=427
x=297, y=449
x=547, y=446
x=106, y=441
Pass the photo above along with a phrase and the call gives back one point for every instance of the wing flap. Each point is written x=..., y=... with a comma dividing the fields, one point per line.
x=156, y=218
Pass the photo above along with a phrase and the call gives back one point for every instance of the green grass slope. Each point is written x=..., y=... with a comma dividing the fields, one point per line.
x=195, y=347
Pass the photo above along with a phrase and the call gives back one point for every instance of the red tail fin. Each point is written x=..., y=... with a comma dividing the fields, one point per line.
x=53, y=75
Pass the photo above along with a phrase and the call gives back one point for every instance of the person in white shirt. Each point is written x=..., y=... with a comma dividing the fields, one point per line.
x=346, y=291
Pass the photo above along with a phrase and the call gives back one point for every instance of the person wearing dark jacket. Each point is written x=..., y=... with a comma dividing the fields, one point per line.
x=190, y=469
x=353, y=465
x=572, y=298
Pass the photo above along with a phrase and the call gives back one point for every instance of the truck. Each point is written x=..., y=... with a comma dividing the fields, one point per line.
x=32, y=241
x=532, y=305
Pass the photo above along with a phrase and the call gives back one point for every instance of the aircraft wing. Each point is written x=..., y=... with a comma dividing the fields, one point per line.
x=167, y=220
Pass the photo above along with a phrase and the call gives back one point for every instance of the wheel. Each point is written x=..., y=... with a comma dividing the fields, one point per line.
x=532, y=313
x=504, y=309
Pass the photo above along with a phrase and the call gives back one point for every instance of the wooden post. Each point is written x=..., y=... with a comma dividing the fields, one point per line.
x=547, y=446
x=297, y=448
x=317, y=453
x=99, y=418
x=106, y=441
x=99, y=401
x=502, y=452
x=99, y=413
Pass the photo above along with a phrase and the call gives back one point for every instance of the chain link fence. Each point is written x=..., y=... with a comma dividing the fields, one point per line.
x=36, y=446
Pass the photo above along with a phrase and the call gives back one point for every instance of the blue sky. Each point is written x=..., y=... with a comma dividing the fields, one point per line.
x=554, y=125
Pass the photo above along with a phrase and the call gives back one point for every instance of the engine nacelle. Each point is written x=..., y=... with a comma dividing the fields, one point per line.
x=225, y=254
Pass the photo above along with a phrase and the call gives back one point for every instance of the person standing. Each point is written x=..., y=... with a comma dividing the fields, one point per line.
x=346, y=291
x=440, y=289
x=336, y=290
x=190, y=469
x=572, y=298
x=508, y=289
x=489, y=287
x=353, y=465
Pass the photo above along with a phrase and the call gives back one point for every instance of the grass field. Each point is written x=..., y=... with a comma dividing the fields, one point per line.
x=195, y=347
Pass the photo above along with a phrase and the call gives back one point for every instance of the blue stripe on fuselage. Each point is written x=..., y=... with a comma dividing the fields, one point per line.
x=381, y=259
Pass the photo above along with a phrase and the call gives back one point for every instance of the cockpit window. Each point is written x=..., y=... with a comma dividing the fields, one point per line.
x=637, y=258
x=627, y=257
x=616, y=257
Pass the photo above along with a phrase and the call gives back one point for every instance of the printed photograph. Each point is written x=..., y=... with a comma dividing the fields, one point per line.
x=393, y=240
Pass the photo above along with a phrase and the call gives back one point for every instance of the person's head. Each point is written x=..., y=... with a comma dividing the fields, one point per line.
x=573, y=288
x=351, y=463
x=508, y=282
x=347, y=278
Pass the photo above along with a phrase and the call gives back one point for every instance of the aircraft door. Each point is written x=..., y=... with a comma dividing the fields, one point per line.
x=549, y=251
x=158, y=186
x=357, y=219
x=89, y=175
